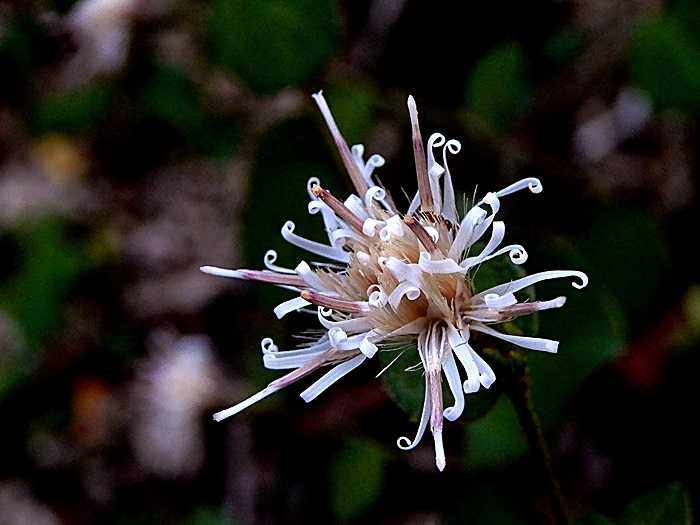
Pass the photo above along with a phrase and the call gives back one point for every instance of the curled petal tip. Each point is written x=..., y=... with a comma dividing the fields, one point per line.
x=583, y=283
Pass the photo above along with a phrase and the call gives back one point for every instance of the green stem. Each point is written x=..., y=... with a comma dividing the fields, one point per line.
x=519, y=392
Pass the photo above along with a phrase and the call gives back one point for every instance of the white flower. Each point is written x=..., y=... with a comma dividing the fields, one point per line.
x=397, y=276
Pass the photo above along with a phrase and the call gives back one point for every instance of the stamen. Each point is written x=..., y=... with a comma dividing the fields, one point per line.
x=338, y=207
x=353, y=170
x=426, y=196
x=353, y=307
x=420, y=232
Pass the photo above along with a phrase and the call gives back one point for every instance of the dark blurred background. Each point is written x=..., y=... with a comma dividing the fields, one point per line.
x=141, y=139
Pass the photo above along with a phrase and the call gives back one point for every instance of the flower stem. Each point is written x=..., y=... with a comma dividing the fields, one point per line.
x=520, y=393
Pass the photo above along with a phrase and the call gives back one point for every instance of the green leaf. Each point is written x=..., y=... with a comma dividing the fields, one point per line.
x=275, y=43
x=663, y=506
x=590, y=329
x=357, y=478
x=665, y=64
x=407, y=389
x=498, y=90
x=173, y=97
x=496, y=439
x=623, y=235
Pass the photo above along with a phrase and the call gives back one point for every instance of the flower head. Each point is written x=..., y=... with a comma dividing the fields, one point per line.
x=400, y=275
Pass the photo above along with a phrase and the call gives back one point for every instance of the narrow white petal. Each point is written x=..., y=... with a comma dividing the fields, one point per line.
x=374, y=161
x=268, y=346
x=292, y=305
x=375, y=193
x=404, y=289
x=221, y=272
x=435, y=170
x=367, y=347
x=284, y=362
x=493, y=300
x=309, y=276
x=449, y=367
x=370, y=226
x=358, y=152
x=321, y=345
x=270, y=259
x=331, y=377
x=348, y=325
x=403, y=271
x=492, y=201
x=497, y=233
x=406, y=444
x=314, y=247
x=339, y=235
x=439, y=451
x=461, y=348
x=394, y=227
x=219, y=416
x=337, y=336
x=524, y=282
x=532, y=183
x=376, y=296
x=356, y=206
x=449, y=208
x=465, y=233
x=440, y=266
x=531, y=343
x=330, y=221
x=486, y=373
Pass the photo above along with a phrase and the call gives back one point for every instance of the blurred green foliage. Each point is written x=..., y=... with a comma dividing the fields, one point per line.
x=353, y=107
x=663, y=506
x=48, y=264
x=173, y=98
x=496, y=439
x=357, y=478
x=406, y=388
x=665, y=52
x=72, y=111
x=497, y=89
x=276, y=43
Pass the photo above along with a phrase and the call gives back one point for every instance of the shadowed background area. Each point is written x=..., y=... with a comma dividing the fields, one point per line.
x=142, y=139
